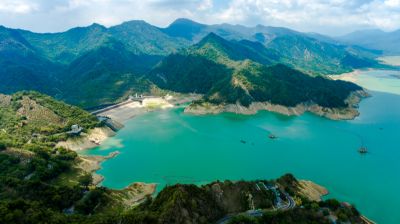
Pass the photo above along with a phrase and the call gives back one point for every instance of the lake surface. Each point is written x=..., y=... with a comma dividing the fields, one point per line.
x=168, y=147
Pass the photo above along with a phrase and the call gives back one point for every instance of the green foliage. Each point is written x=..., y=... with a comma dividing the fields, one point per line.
x=29, y=163
x=44, y=121
x=241, y=219
x=85, y=180
x=91, y=200
x=230, y=72
x=197, y=75
x=112, y=68
x=75, y=64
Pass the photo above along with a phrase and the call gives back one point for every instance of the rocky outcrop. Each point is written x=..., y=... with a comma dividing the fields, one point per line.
x=311, y=190
x=133, y=195
x=346, y=113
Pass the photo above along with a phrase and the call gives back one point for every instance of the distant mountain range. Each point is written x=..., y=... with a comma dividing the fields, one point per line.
x=95, y=65
x=387, y=42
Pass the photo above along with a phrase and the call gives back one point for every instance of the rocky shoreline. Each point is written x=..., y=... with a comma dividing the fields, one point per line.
x=91, y=164
x=311, y=190
x=93, y=138
x=347, y=113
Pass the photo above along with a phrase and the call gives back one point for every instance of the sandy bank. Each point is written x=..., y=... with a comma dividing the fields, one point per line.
x=92, y=139
x=390, y=60
x=311, y=190
x=349, y=77
x=332, y=113
x=129, y=109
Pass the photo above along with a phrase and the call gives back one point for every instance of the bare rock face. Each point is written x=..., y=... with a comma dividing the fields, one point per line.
x=346, y=113
x=133, y=195
x=5, y=100
x=311, y=190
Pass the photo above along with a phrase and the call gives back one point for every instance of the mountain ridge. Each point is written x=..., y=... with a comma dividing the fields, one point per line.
x=236, y=79
x=48, y=58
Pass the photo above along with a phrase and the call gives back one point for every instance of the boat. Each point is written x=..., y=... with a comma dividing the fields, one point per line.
x=272, y=136
x=243, y=141
x=363, y=150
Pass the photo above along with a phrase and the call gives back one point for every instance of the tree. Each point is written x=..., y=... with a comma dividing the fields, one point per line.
x=86, y=180
x=2, y=146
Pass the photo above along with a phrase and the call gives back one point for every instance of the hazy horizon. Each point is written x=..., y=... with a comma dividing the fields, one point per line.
x=336, y=17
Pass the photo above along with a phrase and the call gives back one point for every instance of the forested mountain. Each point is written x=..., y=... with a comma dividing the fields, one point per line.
x=21, y=66
x=112, y=69
x=225, y=73
x=76, y=64
x=388, y=42
x=308, y=53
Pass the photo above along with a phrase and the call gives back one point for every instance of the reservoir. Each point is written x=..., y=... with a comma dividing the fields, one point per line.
x=169, y=146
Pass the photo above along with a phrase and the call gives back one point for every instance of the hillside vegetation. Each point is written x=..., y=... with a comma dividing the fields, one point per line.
x=28, y=117
x=214, y=201
x=225, y=73
x=93, y=66
x=42, y=183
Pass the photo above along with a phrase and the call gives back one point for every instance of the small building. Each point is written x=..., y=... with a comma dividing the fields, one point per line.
x=75, y=130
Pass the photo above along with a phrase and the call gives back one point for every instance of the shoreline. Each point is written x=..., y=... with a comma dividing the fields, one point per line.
x=347, y=113
x=119, y=113
x=312, y=190
x=92, y=163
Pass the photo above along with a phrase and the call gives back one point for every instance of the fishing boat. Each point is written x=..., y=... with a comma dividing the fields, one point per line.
x=363, y=150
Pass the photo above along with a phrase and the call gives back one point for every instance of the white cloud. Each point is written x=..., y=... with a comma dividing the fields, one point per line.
x=393, y=3
x=16, y=6
x=315, y=15
x=328, y=16
x=206, y=5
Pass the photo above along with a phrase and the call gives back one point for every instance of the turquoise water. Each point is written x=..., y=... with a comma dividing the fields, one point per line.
x=168, y=147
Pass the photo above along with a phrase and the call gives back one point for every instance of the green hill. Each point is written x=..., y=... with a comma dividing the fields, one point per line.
x=315, y=57
x=76, y=64
x=310, y=54
x=64, y=47
x=224, y=72
x=104, y=75
x=21, y=66
x=28, y=114
x=212, y=202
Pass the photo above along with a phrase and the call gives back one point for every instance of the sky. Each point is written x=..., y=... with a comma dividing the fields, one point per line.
x=334, y=17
